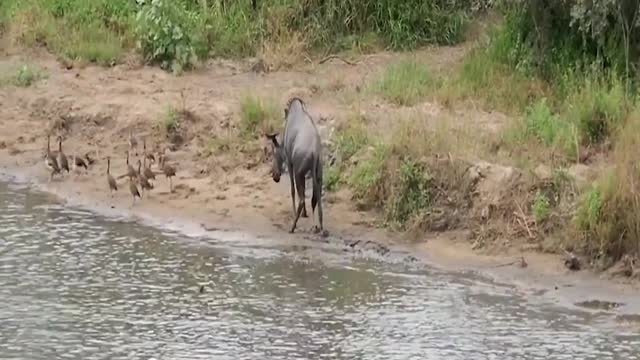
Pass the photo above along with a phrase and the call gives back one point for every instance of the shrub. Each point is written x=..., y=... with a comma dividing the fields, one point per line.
x=540, y=207
x=597, y=108
x=410, y=193
x=168, y=33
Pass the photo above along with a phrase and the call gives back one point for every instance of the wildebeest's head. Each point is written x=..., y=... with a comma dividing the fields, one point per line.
x=278, y=158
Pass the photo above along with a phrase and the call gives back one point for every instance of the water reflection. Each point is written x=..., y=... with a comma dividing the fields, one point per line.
x=78, y=286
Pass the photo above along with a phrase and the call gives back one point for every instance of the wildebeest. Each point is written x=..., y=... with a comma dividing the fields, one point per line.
x=301, y=151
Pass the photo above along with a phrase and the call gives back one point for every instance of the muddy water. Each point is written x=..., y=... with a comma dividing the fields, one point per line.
x=74, y=285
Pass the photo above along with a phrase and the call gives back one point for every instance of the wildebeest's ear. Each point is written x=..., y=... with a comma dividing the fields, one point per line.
x=273, y=138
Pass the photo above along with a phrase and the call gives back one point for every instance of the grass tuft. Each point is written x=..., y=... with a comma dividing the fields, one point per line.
x=257, y=117
x=23, y=76
x=171, y=119
x=405, y=83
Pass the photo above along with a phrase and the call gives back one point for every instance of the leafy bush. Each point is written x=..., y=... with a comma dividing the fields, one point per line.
x=410, y=193
x=167, y=33
x=540, y=207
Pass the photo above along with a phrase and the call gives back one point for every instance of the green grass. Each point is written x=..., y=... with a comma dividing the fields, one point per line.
x=540, y=207
x=405, y=83
x=367, y=180
x=23, y=75
x=332, y=178
x=171, y=119
x=177, y=34
x=410, y=193
x=83, y=30
x=258, y=117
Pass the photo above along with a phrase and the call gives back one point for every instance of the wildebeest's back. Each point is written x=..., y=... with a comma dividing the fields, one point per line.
x=301, y=138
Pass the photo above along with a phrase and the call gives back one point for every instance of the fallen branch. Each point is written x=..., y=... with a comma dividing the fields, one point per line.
x=330, y=57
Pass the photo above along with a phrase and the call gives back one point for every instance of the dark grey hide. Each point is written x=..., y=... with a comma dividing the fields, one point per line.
x=301, y=152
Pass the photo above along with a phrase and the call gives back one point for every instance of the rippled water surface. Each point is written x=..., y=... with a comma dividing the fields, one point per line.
x=74, y=285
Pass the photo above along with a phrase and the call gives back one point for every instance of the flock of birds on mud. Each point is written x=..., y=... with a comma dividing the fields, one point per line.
x=57, y=162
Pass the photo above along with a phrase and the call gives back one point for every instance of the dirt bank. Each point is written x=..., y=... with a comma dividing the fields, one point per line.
x=95, y=108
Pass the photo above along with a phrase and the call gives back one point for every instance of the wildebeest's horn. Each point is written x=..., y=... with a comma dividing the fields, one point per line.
x=273, y=138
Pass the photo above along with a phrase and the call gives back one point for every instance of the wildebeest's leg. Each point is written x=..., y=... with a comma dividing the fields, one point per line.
x=316, y=197
x=301, y=194
x=300, y=188
x=293, y=190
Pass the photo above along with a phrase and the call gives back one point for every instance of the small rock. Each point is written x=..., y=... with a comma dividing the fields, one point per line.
x=201, y=289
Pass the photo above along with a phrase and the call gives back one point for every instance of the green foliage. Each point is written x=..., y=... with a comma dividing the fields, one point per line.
x=540, y=207
x=257, y=116
x=367, y=181
x=22, y=76
x=350, y=138
x=331, y=178
x=171, y=119
x=92, y=31
x=176, y=33
x=410, y=193
x=589, y=210
x=597, y=108
x=405, y=83
x=168, y=33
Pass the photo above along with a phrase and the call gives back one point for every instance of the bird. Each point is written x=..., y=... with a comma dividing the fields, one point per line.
x=62, y=158
x=133, y=142
x=168, y=170
x=144, y=183
x=110, y=180
x=134, y=190
x=149, y=156
x=131, y=172
x=50, y=161
x=148, y=173
x=79, y=162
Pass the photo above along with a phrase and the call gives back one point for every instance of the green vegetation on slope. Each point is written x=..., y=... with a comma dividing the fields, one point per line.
x=176, y=33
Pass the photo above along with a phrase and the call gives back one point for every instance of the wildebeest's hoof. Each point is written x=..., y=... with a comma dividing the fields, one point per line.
x=292, y=230
x=304, y=214
x=324, y=233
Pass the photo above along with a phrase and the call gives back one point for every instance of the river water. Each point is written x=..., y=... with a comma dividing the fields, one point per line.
x=74, y=285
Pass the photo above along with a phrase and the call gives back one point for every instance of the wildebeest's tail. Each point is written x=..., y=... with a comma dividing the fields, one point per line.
x=317, y=184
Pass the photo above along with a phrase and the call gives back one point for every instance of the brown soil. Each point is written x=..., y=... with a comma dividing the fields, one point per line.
x=94, y=109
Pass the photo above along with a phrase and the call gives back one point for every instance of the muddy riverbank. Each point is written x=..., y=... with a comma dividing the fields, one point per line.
x=94, y=109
